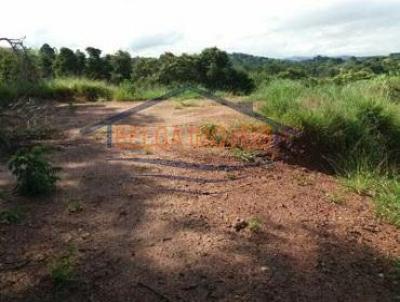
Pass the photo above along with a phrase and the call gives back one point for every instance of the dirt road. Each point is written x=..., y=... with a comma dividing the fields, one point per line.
x=191, y=223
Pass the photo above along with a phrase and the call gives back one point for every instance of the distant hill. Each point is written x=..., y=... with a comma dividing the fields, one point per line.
x=251, y=62
x=246, y=61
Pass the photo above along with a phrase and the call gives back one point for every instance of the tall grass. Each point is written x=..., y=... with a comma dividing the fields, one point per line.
x=356, y=127
x=79, y=89
x=60, y=89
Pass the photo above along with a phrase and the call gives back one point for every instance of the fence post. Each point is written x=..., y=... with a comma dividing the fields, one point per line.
x=109, y=135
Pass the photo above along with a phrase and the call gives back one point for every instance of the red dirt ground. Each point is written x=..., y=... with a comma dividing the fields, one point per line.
x=162, y=225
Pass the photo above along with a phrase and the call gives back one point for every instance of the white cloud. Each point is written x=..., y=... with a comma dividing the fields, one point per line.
x=150, y=27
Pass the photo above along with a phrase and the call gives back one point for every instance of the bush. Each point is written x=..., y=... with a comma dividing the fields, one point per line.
x=34, y=174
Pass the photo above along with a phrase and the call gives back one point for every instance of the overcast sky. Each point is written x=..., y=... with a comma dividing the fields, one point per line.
x=282, y=28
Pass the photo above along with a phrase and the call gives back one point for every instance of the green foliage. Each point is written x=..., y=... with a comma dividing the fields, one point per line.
x=177, y=69
x=209, y=130
x=356, y=127
x=80, y=63
x=97, y=68
x=34, y=174
x=319, y=69
x=337, y=198
x=337, y=120
x=231, y=176
x=11, y=216
x=121, y=63
x=47, y=56
x=216, y=73
x=80, y=88
x=128, y=91
x=89, y=90
x=255, y=224
x=66, y=63
x=244, y=155
x=145, y=70
x=10, y=66
x=61, y=269
x=293, y=74
x=211, y=69
x=74, y=206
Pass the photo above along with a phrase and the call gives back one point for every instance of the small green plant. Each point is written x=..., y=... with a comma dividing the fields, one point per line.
x=11, y=216
x=255, y=224
x=231, y=176
x=74, y=206
x=243, y=155
x=303, y=180
x=61, y=269
x=34, y=174
x=336, y=198
x=209, y=130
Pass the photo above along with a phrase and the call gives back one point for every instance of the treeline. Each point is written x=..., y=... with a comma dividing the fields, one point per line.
x=319, y=68
x=211, y=68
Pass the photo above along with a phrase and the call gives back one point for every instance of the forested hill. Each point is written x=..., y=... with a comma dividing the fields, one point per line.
x=247, y=61
x=340, y=69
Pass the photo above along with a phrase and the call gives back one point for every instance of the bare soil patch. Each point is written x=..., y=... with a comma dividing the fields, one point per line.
x=167, y=224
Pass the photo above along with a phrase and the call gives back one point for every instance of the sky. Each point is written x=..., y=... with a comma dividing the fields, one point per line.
x=284, y=28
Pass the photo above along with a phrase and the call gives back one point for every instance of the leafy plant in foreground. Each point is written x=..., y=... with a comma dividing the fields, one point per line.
x=34, y=174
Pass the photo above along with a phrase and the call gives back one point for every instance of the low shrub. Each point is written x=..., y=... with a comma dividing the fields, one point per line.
x=34, y=174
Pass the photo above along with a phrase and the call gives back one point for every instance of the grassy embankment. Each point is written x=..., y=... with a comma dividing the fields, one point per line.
x=356, y=127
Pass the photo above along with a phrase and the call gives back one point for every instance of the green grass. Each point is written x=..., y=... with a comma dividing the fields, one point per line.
x=355, y=127
x=337, y=198
x=88, y=90
x=59, y=89
x=70, y=89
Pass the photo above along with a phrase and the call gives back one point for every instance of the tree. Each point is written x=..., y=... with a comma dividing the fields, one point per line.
x=121, y=66
x=47, y=56
x=213, y=66
x=66, y=63
x=293, y=74
x=216, y=72
x=145, y=69
x=80, y=62
x=178, y=69
x=10, y=66
x=239, y=82
x=94, y=68
x=107, y=67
